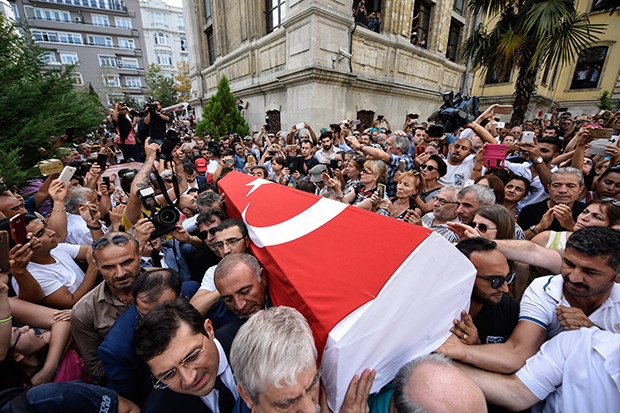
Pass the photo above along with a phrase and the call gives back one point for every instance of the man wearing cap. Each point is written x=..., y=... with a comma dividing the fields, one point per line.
x=202, y=172
x=315, y=177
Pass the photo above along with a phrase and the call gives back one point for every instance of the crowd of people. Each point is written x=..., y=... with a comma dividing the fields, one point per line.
x=134, y=289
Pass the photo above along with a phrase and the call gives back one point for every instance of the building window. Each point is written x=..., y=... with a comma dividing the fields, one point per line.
x=421, y=23
x=494, y=78
x=128, y=63
x=122, y=22
x=211, y=45
x=161, y=38
x=133, y=82
x=181, y=23
x=588, y=68
x=164, y=59
x=49, y=58
x=77, y=79
x=276, y=12
x=68, y=58
x=56, y=37
x=112, y=80
x=454, y=39
x=207, y=9
x=100, y=20
x=107, y=61
x=367, y=13
x=70, y=38
x=159, y=19
x=459, y=6
x=52, y=15
x=185, y=58
x=100, y=41
x=126, y=43
x=183, y=44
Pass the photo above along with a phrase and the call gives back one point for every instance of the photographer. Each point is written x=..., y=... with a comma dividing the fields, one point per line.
x=156, y=122
x=125, y=136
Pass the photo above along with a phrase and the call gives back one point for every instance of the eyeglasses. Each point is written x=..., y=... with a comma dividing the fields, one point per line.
x=588, y=162
x=231, y=243
x=103, y=242
x=430, y=168
x=612, y=201
x=443, y=201
x=498, y=280
x=483, y=228
x=172, y=375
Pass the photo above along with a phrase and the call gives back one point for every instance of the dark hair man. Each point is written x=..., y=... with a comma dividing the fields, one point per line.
x=156, y=122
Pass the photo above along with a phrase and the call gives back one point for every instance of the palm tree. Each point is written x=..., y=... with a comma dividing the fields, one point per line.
x=527, y=35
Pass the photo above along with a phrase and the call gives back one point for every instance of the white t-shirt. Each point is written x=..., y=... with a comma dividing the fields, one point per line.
x=458, y=174
x=574, y=372
x=207, y=280
x=64, y=272
x=546, y=293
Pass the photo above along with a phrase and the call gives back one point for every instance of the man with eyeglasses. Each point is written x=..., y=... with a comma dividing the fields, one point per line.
x=230, y=237
x=444, y=211
x=189, y=367
x=493, y=313
x=585, y=294
x=117, y=257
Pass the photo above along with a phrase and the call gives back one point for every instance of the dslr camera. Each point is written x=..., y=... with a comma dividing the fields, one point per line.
x=171, y=140
x=163, y=218
x=150, y=107
x=455, y=112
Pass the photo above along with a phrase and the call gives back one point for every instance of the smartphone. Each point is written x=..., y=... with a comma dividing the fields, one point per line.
x=356, y=122
x=330, y=171
x=300, y=126
x=18, y=229
x=597, y=147
x=106, y=181
x=4, y=251
x=494, y=156
x=67, y=174
x=401, y=166
x=333, y=163
x=381, y=190
x=419, y=150
x=527, y=137
x=603, y=133
x=380, y=118
x=562, y=109
x=344, y=121
x=251, y=159
x=70, y=131
x=500, y=125
x=102, y=160
x=503, y=109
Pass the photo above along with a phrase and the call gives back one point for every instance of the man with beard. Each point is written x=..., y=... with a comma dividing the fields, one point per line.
x=118, y=260
x=493, y=313
x=460, y=163
x=585, y=294
x=328, y=149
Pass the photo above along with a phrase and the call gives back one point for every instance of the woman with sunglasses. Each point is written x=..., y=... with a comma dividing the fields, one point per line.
x=433, y=169
x=598, y=213
x=373, y=173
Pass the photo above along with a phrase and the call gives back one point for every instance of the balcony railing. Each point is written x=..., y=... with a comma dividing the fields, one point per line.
x=93, y=4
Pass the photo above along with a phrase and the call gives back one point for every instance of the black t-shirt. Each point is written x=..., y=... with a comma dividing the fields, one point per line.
x=124, y=127
x=495, y=323
x=311, y=163
x=532, y=214
x=157, y=128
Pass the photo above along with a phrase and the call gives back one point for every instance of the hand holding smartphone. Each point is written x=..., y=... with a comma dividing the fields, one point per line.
x=18, y=229
x=67, y=174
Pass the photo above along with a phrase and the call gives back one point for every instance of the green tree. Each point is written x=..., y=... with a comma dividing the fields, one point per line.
x=221, y=115
x=183, y=83
x=527, y=35
x=37, y=104
x=161, y=87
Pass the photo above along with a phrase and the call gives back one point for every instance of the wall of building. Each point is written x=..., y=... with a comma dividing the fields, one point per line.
x=102, y=36
x=299, y=69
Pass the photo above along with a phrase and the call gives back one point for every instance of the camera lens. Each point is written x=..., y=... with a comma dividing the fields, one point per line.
x=168, y=216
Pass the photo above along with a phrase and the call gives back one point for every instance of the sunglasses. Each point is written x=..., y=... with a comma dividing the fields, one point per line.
x=612, y=201
x=498, y=280
x=203, y=235
x=483, y=228
x=103, y=242
x=429, y=168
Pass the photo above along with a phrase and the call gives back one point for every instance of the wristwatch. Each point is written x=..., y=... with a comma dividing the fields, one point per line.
x=533, y=229
x=538, y=160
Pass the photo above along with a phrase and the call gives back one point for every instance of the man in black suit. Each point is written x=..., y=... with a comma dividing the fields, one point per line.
x=189, y=367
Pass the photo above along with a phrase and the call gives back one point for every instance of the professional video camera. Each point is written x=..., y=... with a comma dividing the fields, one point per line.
x=455, y=112
x=164, y=218
x=150, y=107
x=171, y=140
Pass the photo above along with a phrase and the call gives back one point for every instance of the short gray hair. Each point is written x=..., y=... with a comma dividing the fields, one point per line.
x=206, y=199
x=273, y=346
x=455, y=190
x=232, y=260
x=567, y=170
x=401, y=401
x=484, y=194
x=402, y=143
x=76, y=196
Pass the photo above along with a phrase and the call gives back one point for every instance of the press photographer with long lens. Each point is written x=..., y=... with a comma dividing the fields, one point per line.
x=156, y=121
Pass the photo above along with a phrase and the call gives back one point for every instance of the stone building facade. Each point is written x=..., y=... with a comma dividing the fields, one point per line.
x=313, y=61
x=101, y=37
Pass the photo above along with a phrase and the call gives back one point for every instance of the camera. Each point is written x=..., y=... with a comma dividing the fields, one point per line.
x=150, y=107
x=163, y=218
x=171, y=140
x=455, y=112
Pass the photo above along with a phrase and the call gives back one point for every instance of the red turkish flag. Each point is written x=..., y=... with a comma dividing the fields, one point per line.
x=376, y=292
